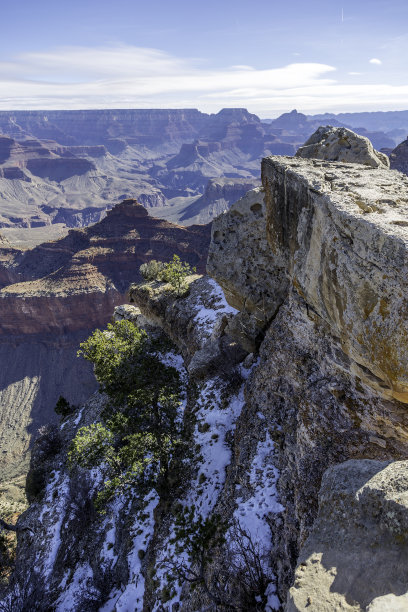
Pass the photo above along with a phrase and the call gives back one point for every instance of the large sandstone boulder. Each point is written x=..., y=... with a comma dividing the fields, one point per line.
x=340, y=144
x=356, y=556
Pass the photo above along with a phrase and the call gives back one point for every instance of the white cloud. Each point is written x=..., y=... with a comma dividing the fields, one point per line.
x=376, y=61
x=134, y=77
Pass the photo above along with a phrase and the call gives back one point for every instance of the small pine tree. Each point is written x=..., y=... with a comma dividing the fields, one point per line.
x=176, y=272
x=63, y=407
x=142, y=429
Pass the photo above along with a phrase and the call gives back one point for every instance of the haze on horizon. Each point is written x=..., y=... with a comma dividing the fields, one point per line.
x=270, y=57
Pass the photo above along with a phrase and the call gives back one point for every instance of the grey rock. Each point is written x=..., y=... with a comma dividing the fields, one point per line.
x=399, y=157
x=343, y=231
x=242, y=262
x=342, y=144
x=356, y=555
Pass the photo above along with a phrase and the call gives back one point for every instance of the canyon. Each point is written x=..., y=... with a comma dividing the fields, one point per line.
x=53, y=296
x=68, y=168
x=294, y=349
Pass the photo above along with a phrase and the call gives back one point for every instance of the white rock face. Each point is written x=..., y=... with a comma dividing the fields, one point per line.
x=341, y=144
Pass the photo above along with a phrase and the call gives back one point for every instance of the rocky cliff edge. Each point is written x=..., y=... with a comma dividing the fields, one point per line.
x=303, y=430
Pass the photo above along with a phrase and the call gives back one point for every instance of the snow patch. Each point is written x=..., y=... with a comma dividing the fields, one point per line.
x=214, y=422
x=252, y=514
x=79, y=417
x=81, y=583
x=131, y=598
x=205, y=317
x=52, y=518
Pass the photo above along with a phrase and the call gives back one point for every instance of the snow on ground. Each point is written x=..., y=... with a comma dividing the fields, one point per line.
x=175, y=360
x=79, y=416
x=73, y=594
x=206, y=318
x=252, y=514
x=213, y=424
x=51, y=519
x=130, y=599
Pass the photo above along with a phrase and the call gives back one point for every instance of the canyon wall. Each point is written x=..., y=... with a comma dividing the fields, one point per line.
x=296, y=403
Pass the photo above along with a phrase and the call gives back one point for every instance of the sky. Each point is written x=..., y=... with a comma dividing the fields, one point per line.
x=265, y=55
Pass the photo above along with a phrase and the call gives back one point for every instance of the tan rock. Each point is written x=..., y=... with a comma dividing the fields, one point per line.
x=344, y=145
x=343, y=230
x=356, y=555
x=242, y=262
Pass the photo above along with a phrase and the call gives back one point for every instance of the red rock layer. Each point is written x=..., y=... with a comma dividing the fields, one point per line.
x=74, y=283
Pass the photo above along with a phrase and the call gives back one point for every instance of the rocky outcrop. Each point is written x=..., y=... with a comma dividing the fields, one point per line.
x=341, y=228
x=399, y=157
x=341, y=144
x=196, y=324
x=331, y=378
x=14, y=173
x=59, y=169
x=118, y=561
x=298, y=386
x=240, y=259
x=356, y=555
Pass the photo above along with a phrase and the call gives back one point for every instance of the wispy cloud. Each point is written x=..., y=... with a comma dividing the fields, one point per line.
x=376, y=61
x=126, y=76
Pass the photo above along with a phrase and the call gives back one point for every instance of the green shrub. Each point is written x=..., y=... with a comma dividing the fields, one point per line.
x=152, y=270
x=142, y=430
x=176, y=273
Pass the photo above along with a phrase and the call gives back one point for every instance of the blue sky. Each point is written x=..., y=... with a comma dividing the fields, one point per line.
x=267, y=56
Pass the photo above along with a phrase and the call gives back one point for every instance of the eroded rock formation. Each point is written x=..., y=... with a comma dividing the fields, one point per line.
x=399, y=157
x=299, y=387
x=52, y=296
x=342, y=144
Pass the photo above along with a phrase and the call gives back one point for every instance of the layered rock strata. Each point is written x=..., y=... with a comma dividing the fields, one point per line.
x=315, y=262
x=52, y=296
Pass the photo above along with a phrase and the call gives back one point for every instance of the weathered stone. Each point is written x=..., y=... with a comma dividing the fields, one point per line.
x=197, y=323
x=357, y=553
x=320, y=414
x=242, y=262
x=340, y=144
x=245, y=329
x=126, y=312
x=342, y=229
